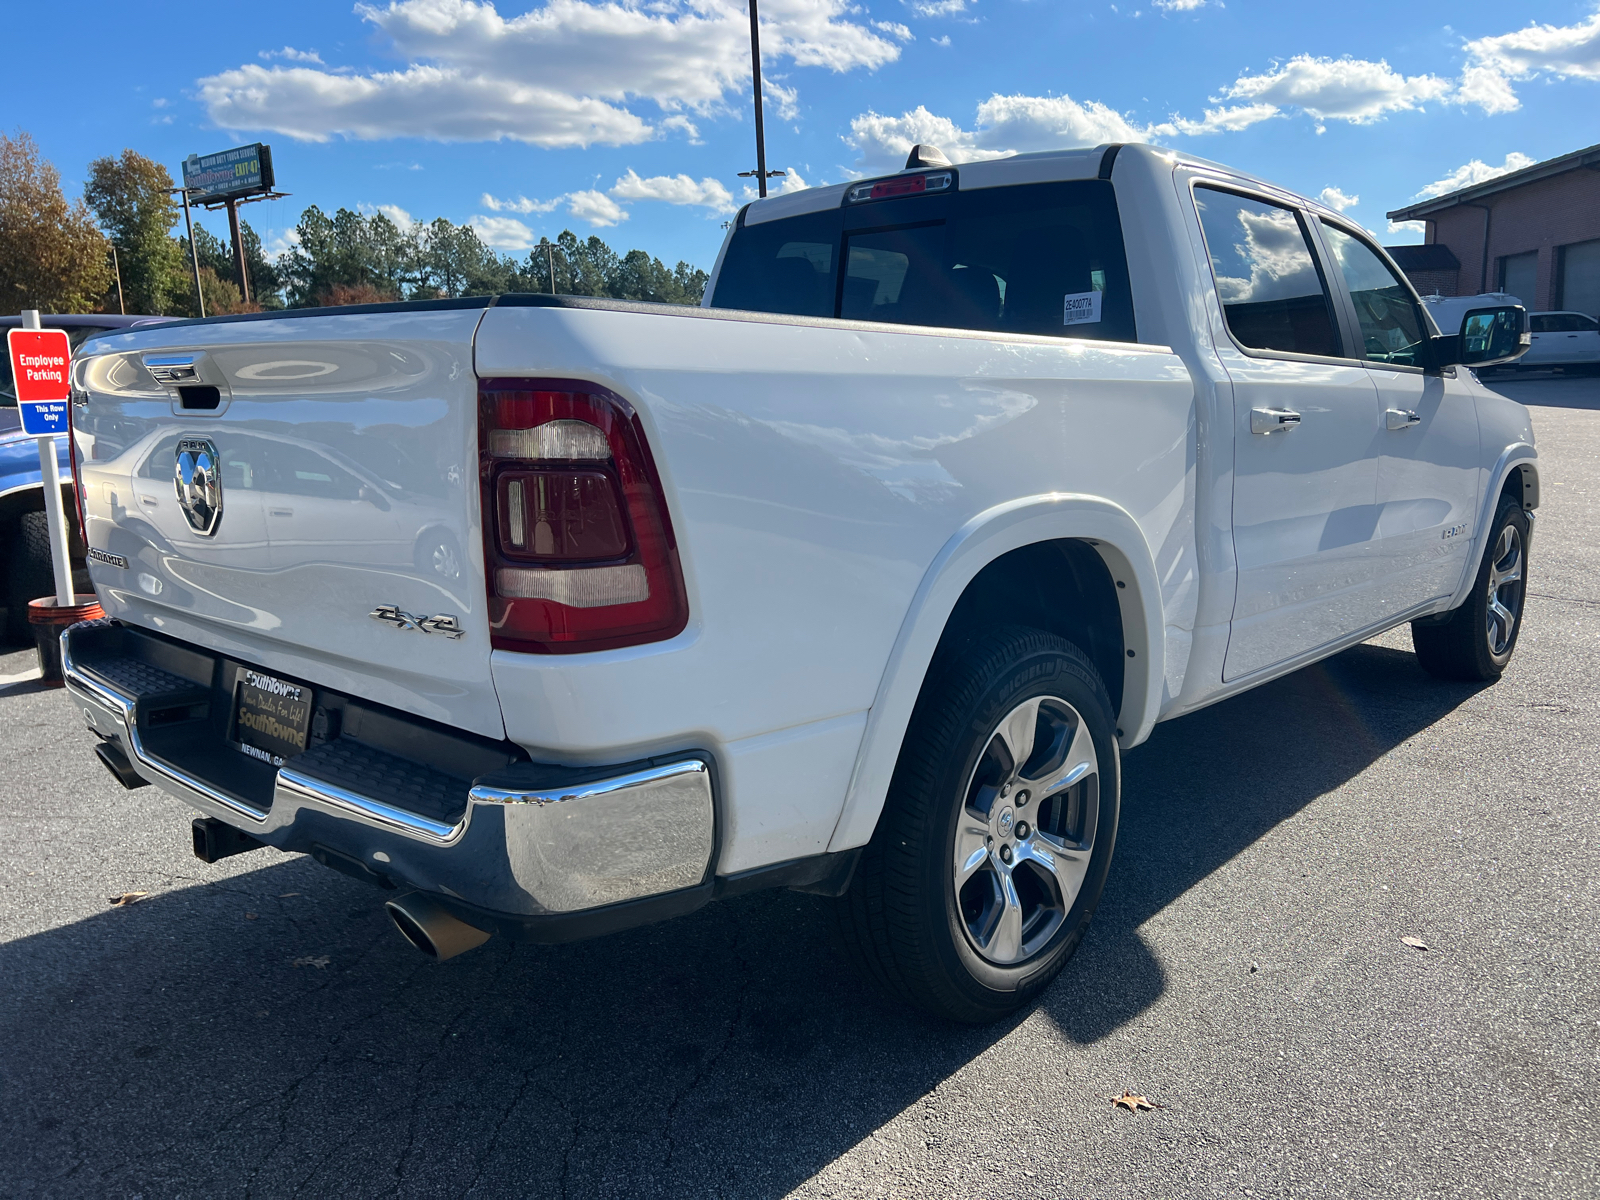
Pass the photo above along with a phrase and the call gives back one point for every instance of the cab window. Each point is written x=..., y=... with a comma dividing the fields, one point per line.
x=1273, y=295
x=1391, y=327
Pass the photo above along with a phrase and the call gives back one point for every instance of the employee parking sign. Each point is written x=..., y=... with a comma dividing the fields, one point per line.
x=39, y=364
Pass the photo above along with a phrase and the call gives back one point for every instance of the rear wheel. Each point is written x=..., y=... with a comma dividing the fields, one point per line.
x=1477, y=639
x=992, y=851
x=29, y=572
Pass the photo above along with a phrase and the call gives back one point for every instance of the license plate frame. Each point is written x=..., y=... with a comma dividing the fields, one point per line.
x=271, y=717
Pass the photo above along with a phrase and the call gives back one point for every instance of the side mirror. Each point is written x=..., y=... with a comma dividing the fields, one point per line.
x=373, y=497
x=1489, y=337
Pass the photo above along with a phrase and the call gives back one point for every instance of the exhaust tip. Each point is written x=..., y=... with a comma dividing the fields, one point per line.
x=431, y=927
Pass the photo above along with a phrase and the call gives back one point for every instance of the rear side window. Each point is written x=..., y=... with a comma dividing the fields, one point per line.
x=1038, y=258
x=1273, y=296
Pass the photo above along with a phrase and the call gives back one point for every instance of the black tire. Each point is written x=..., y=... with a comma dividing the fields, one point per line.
x=905, y=918
x=29, y=571
x=1467, y=645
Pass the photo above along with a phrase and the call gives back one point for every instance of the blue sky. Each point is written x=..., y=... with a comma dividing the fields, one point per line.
x=632, y=119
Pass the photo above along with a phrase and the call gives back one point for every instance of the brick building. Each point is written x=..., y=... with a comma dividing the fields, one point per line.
x=1534, y=233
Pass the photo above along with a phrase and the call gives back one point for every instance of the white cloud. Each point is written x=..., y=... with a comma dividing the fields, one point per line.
x=895, y=29
x=789, y=181
x=594, y=207
x=503, y=233
x=1336, y=199
x=675, y=189
x=1005, y=125
x=394, y=212
x=597, y=208
x=280, y=243
x=1222, y=120
x=563, y=74
x=520, y=205
x=785, y=100
x=1567, y=51
x=1180, y=5
x=1347, y=89
x=1406, y=227
x=290, y=54
x=942, y=41
x=1473, y=172
x=936, y=8
x=689, y=128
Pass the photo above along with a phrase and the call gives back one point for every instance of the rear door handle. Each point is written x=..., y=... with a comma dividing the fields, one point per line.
x=1272, y=420
x=1401, y=418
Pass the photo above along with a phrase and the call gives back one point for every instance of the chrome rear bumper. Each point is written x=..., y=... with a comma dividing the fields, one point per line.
x=524, y=841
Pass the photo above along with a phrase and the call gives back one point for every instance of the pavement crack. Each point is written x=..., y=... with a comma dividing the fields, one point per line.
x=708, y=1061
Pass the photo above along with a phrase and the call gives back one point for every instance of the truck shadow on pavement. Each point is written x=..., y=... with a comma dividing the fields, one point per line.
x=268, y=1032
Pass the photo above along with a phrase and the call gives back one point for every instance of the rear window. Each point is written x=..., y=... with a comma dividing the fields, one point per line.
x=1040, y=258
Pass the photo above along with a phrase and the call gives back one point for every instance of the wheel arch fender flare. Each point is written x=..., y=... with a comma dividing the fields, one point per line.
x=1517, y=456
x=997, y=531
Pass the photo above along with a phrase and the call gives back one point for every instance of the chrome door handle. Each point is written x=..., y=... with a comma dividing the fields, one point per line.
x=1271, y=420
x=1401, y=418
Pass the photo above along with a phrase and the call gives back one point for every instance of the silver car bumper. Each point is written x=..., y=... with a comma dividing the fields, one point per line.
x=530, y=840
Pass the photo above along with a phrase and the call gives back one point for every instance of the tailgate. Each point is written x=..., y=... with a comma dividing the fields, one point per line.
x=301, y=493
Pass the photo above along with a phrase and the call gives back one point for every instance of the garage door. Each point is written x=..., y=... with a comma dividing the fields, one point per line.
x=1580, y=278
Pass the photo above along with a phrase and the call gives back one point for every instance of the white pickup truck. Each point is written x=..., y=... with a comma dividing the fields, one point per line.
x=557, y=615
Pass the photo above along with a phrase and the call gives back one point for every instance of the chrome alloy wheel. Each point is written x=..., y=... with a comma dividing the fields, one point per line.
x=1505, y=590
x=1026, y=830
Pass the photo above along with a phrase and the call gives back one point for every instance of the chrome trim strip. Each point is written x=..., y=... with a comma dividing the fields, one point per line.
x=295, y=791
x=584, y=791
x=119, y=709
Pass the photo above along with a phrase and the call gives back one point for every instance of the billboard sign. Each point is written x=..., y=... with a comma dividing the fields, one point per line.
x=242, y=171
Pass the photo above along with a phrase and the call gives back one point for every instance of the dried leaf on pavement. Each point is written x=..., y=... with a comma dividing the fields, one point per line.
x=127, y=898
x=249, y=916
x=1414, y=943
x=319, y=962
x=1133, y=1103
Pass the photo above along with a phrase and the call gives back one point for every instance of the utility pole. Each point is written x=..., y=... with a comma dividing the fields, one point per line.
x=122, y=305
x=550, y=257
x=194, y=256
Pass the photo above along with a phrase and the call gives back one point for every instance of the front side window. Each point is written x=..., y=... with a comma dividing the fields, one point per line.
x=1037, y=258
x=1391, y=327
x=1273, y=296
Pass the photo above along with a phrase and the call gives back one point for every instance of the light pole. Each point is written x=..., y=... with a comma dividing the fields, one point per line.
x=761, y=173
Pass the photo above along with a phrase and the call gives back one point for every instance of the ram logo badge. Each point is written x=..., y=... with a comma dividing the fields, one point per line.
x=443, y=623
x=198, y=479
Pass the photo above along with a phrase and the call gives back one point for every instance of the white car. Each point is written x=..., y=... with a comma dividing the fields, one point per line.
x=859, y=579
x=1562, y=339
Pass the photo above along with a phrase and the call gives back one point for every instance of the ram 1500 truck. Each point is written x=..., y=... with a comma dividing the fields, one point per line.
x=555, y=615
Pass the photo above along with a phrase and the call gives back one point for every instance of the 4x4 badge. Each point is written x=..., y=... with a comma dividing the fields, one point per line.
x=197, y=476
x=444, y=623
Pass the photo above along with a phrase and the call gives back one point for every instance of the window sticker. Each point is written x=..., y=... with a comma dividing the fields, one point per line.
x=1081, y=308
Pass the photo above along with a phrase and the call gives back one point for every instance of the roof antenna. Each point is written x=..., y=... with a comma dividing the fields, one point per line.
x=924, y=155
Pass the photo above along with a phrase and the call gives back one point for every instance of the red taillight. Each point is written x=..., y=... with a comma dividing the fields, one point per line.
x=578, y=547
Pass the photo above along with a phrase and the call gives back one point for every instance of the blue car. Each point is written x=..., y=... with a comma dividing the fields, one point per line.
x=24, y=532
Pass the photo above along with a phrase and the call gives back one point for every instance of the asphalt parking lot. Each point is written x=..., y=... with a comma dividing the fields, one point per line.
x=257, y=1027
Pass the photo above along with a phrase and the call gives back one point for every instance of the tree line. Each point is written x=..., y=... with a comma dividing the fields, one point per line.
x=120, y=248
